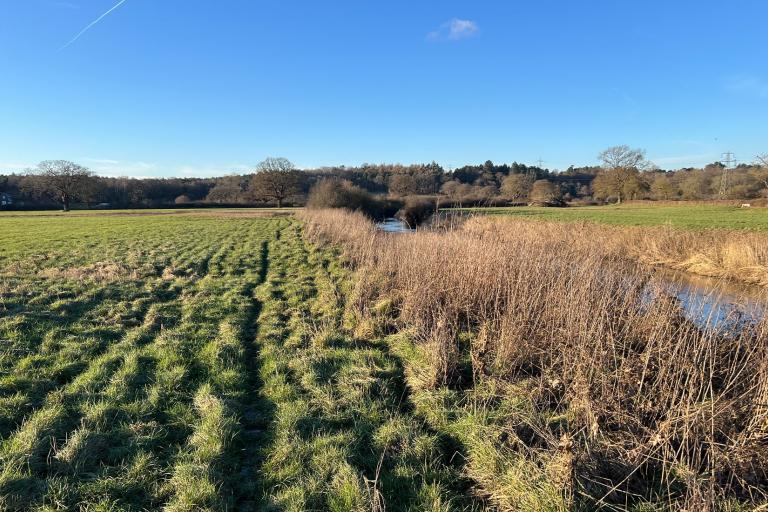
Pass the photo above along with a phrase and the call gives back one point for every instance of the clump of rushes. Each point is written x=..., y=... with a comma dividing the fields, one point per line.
x=568, y=374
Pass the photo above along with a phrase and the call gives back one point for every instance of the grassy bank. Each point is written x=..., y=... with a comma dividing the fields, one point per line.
x=569, y=380
x=684, y=215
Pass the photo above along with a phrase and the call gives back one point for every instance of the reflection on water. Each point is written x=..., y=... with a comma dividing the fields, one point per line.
x=394, y=226
x=715, y=303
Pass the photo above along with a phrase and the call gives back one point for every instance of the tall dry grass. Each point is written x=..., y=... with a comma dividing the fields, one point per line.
x=630, y=399
x=731, y=254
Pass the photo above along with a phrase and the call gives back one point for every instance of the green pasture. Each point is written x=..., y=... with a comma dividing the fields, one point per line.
x=686, y=216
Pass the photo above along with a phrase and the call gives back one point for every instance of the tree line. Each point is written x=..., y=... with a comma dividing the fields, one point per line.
x=624, y=174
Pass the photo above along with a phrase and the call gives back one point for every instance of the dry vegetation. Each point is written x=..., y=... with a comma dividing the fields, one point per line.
x=568, y=376
x=737, y=255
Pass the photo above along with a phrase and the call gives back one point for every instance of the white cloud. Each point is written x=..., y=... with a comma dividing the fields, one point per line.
x=454, y=30
x=748, y=84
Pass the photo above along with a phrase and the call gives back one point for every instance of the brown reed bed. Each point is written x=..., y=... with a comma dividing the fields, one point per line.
x=736, y=255
x=572, y=379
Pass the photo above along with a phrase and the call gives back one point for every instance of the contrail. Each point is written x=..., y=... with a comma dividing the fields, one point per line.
x=91, y=24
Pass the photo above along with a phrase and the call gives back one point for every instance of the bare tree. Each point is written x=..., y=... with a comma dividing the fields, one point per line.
x=544, y=192
x=62, y=181
x=276, y=179
x=762, y=160
x=621, y=169
x=517, y=187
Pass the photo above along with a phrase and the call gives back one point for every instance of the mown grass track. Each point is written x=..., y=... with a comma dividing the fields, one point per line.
x=198, y=363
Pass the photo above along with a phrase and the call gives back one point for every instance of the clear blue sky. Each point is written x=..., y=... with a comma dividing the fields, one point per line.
x=193, y=87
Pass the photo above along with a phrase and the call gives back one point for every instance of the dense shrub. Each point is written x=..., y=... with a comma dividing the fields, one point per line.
x=415, y=211
x=334, y=193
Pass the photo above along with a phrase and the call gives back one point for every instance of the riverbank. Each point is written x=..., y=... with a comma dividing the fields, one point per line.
x=538, y=349
x=727, y=254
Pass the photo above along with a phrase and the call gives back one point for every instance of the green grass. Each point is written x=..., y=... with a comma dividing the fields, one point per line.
x=343, y=435
x=148, y=211
x=685, y=216
x=199, y=362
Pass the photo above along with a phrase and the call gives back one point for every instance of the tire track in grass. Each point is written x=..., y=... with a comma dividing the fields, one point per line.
x=341, y=438
x=215, y=469
x=255, y=412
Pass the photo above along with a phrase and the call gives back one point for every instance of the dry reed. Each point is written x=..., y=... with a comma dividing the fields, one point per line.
x=654, y=404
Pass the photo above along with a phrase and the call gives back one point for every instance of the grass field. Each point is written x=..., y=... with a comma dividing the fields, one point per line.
x=197, y=362
x=150, y=211
x=682, y=216
x=250, y=360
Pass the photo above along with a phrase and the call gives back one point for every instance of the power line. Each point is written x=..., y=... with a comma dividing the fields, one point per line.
x=729, y=161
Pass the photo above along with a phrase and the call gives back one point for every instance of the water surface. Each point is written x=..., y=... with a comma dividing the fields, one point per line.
x=717, y=303
x=393, y=225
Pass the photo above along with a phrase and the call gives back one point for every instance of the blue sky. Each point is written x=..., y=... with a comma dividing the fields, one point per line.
x=200, y=88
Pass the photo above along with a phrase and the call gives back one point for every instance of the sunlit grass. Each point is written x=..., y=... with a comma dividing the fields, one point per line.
x=689, y=216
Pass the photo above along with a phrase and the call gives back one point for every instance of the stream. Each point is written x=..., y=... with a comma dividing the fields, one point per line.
x=393, y=225
x=718, y=303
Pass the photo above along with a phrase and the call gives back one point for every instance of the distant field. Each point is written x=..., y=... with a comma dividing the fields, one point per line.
x=149, y=211
x=683, y=216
